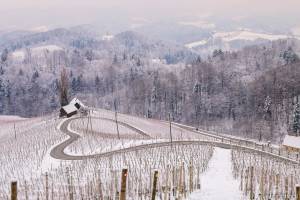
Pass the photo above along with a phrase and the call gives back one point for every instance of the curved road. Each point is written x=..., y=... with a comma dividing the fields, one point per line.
x=58, y=151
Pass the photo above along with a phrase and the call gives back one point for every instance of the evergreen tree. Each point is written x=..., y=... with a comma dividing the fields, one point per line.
x=217, y=52
x=115, y=60
x=89, y=54
x=21, y=73
x=124, y=56
x=197, y=60
x=53, y=103
x=4, y=55
x=1, y=70
x=290, y=56
x=97, y=83
x=35, y=75
x=2, y=95
x=74, y=84
x=138, y=62
x=296, y=124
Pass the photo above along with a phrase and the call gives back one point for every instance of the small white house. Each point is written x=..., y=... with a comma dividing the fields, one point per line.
x=291, y=143
x=72, y=108
x=77, y=103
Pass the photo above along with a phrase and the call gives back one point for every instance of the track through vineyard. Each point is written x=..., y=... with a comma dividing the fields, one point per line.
x=58, y=152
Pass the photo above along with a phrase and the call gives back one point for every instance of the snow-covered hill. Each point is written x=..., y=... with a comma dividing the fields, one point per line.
x=39, y=51
x=247, y=35
x=234, y=40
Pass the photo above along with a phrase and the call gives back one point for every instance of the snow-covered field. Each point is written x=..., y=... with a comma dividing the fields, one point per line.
x=185, y=171
x=270, y=178
x=12, y=125
x=196, y=44
x=247, y=35
x=217, y=182
x=4, y=119
x=24, y=148
x=154, y=128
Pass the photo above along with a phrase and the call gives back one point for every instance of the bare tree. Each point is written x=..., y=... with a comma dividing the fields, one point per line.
x=63, y=88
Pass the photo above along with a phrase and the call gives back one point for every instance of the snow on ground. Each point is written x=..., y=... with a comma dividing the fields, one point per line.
x=247, y=35
x=20, y=54
x=40, y=29
x=199, y=24
x=107, y=37
x=10, y=119
x=103, y=138
x=196, y=44
x=24, y=150
x=26, y=157
x=103, y=127
x=154, y=128
x=217, y=183
x=158, y=61
x=239, y=35
x=291, y=141
x=49, y=48
x=11, y=125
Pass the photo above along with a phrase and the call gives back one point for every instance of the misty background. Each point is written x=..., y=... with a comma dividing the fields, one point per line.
x=116, y=16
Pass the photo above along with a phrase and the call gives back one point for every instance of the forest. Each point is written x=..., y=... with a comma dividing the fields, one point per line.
x=252, y=92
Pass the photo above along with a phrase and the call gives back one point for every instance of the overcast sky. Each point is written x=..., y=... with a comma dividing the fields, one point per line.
x=31, y=13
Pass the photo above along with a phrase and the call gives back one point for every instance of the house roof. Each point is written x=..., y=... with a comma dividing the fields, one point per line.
x=75, y=100
x=70, y=108
x=292, y=141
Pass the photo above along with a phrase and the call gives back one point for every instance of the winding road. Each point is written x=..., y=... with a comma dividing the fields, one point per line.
x=58, y=151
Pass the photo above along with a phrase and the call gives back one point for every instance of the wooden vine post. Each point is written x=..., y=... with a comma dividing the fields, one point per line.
x=100, y=187
x=198, y=178
x=69, y=185
x=14, y=191
x=286, y=188
x=191, y=178
x=297, y=192
x=277, y=187
x=167, y=184
x=261, y=186
x=154, y=185
x=246, y=181
x=242, y=178
x=123, y=184
x=47, y=187
x=170, y=126
x=180, y=187
x=117, y=124
x=15, y=131
x=26, y=190
x=251, y=183
x=116, y=118
x=270, y=184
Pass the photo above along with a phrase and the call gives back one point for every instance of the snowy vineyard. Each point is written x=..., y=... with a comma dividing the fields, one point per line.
x=179, y=170
x=262, y=177
x=185, y=170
